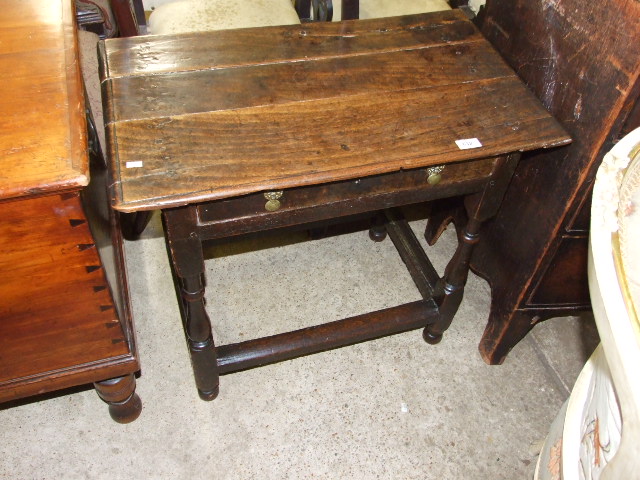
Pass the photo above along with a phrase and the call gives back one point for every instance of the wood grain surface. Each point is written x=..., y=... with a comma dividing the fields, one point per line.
x=42, y=139
x=57, y=315
x=282, y=107
x=583, y=62
x=244, y=47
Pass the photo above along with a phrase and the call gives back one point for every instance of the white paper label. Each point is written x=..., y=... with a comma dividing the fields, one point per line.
x=467, y=143
x=137, y=164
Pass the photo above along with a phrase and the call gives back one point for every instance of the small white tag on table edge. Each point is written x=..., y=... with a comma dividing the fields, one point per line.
x=137, y=164
x=466, y=143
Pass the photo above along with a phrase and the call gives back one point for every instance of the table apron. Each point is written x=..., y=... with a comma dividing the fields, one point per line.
x=246, y=214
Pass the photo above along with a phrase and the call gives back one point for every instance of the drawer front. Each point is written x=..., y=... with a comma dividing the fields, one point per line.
x=320, y=202
x=564, y=283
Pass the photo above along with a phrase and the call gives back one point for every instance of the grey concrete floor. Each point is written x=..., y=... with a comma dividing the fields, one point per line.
x=393, y=408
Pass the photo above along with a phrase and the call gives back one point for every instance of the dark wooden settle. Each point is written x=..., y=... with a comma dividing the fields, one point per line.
x=582, y=59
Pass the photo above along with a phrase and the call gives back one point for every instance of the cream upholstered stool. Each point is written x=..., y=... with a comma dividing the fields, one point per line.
x=597, y=433
x=201, y=15
x=178, y=16
x=392, y=8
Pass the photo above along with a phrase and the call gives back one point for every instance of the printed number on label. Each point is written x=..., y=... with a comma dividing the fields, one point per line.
x=467, y=143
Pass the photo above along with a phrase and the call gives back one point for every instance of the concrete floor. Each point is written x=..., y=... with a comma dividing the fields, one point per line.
x=394, y=408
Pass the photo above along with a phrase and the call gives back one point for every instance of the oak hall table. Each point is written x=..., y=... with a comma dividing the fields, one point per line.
x=64, y=309
x=238, y=131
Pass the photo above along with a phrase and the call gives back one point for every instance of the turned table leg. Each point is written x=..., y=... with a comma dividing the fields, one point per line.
x=378, y=230
x=119, y=393
x=185, y=252
x=444, y=212
x=450, y=288
x=479, y=207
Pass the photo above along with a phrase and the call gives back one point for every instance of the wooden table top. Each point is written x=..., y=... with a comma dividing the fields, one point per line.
x=210, y=115
x=42, y=126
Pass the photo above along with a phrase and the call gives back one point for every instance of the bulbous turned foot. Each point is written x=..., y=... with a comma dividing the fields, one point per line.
x=119, y=393
x=431, y=338
x=127, y=411
x=208, y=396
x=377, y=233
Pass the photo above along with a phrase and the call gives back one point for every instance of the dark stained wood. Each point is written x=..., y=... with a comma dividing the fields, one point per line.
x=228, y=48
x=303, y=9
x=244, y=134
x=583, y=62
x=350, y=9
x=479, y=207
x=579, y=225
x=263, y=351
x=633, y=120
x=283, y=83
x=119, y=393
x=564, y=281
x=422, y=272
x=444, y=212
x=377, y=230
x=224, y=218
x=134, y=224
x=223, y=154
x=123, y=11
x=184, y=246
x=346, y=128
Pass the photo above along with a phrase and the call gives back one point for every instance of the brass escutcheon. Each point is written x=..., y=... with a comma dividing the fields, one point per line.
x=273, y=200
x=434, y=175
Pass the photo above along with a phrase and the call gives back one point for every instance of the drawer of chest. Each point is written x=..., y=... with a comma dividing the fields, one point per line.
x=300, y=205
x=564, y=283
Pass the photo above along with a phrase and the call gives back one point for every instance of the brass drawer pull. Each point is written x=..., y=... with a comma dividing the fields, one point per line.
x=434, y=175
x=273, y=201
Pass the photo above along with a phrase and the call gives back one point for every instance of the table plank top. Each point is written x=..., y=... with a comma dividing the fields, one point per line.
x=210, y=115
x=43, y=144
